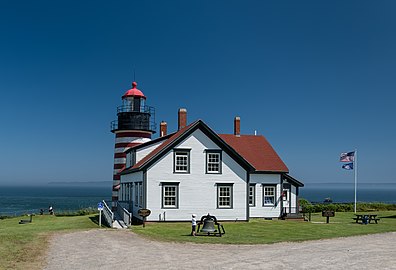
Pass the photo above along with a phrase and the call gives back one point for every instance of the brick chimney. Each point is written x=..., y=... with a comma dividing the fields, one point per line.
x=163, y=129
x=182, y=118
x=237, y=126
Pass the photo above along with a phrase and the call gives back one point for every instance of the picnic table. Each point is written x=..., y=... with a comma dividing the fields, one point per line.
x=370, y=217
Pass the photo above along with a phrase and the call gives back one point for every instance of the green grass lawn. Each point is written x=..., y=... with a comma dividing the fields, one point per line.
x=259, y=231
x=22, y=246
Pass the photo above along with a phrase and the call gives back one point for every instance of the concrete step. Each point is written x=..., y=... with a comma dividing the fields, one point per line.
x=118, y=222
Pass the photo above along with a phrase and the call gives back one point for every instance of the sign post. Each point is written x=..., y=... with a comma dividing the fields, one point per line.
x=100, y=208
x=144, y=213
x=328, y=214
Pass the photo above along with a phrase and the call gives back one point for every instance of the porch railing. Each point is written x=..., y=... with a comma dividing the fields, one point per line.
x=108, y=214
x=124, y=214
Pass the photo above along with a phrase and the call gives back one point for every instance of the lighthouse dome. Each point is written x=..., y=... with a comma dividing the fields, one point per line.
x=133, y=92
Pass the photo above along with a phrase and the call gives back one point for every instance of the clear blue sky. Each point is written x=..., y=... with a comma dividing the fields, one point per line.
x=315, y=77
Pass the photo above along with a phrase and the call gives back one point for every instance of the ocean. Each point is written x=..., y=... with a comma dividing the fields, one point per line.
x=20, y=200
x=344, y=192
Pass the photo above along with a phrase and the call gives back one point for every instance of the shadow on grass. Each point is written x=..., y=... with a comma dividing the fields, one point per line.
x=95, y=220
x=394, y=216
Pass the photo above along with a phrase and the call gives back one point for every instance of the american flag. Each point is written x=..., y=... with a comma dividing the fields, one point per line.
x=347, y=157
x=348, y=166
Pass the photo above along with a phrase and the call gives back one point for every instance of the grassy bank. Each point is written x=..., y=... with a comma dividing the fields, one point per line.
x=22, y=246
x=259, y=231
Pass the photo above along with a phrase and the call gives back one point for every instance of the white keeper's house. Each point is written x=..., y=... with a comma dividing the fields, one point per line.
x=195, y=170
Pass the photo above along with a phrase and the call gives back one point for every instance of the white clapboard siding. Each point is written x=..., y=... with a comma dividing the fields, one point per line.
x=144, y=151
x=265, y=211
x=197, y=190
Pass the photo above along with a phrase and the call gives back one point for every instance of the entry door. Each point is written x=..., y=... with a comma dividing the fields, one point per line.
x=286, y=200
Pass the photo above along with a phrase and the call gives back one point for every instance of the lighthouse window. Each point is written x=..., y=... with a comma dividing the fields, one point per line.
x=136, y=105
x=213, y=161
x=182, y=161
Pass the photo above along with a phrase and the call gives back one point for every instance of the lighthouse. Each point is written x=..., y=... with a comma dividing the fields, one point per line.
x=135, y=125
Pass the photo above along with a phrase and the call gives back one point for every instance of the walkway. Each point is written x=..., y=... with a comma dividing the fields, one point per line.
x=122, y=249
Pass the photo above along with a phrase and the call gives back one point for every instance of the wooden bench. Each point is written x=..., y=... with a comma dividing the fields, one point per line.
x=24, y=221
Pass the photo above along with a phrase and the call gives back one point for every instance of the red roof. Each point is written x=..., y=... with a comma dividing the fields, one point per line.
x=134, y=92
x=162, y=146
x=257, y=151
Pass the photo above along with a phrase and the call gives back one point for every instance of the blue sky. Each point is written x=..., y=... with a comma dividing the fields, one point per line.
x=315, y=77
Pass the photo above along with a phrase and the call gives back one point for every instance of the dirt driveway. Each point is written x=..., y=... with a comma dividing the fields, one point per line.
x=118, y=249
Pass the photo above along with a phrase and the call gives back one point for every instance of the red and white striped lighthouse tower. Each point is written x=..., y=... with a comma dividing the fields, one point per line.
x=135, y=125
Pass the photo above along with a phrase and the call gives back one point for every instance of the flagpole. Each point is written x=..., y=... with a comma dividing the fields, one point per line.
x=355, y=163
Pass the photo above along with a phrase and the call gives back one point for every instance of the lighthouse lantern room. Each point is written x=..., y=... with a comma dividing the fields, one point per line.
x=134, y=125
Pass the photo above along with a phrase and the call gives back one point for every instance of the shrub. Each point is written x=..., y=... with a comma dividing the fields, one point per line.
x=344, y=207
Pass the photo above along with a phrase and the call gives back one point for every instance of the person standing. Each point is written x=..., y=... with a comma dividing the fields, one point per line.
x=193, y=225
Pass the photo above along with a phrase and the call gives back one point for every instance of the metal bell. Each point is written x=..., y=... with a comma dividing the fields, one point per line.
x=208, y=226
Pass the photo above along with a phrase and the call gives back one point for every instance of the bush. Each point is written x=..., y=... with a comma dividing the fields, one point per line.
x=344, y=207
x=81, y=212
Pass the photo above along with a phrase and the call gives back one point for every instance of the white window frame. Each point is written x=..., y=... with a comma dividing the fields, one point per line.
x=268, y=194
x=167, y=187
x=131, y=158
x=221, y=188
x=252, y=195
x=209, y=161
x=179, y=157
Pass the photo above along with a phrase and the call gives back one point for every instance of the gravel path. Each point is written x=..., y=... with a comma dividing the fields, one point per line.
x=119, y=249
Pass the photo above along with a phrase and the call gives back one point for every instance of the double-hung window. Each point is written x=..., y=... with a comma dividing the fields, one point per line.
x=252, y=195
x=213, y=161
x=132, y=158
x=269, y=195
x=181, y=161
x=224, y=195
x=170, y=195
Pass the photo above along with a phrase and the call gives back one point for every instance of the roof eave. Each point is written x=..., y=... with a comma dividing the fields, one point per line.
x=294, y=180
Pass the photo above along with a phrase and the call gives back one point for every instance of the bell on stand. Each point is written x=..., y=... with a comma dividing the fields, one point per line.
x=208, y=226
x=209, y=222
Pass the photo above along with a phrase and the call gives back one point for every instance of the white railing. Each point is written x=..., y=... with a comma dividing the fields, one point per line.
x=124, y=214
x=108, y=214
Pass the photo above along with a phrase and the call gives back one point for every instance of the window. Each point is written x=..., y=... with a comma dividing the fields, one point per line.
x=138, y=194
x=252, y=195
x=182, y=161
x=131, y=158
x=213, y=161
x=284, y=195
x=224, y=196
x=170, y=194
x=269, y=193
